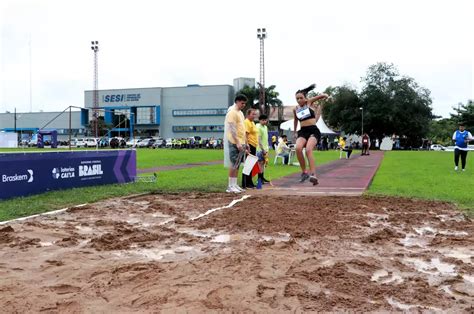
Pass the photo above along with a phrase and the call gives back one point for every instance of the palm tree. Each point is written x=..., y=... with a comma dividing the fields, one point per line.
x=271, y=98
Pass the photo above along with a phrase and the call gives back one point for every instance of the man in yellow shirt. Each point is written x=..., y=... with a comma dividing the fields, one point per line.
x=235, y=141
x=251, y=134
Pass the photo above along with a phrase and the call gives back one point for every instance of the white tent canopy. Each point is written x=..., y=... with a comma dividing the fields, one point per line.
x=288, y=126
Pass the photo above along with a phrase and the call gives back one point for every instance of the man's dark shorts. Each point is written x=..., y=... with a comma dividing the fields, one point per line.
x=236, y=158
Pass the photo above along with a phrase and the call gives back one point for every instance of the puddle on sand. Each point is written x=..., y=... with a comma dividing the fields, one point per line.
x=83, y=229
x=401, y=306
x=468, y=278
x=396, y=279
x=411, y=240
x=377, y=219
x=168, y=220
x=466, y=255
x=404, y=307
x=425, y=230
x=378, y=274
x=196, y=233
x=432, y=231
x=433, y=267
x=160, y=215
x=222, y=238
x=46, y=243
x=134, y=221
x=180, y=252
x=453, y=233
x=226, y=238
x=282, y=237
x=457, y=218
x=382, y=276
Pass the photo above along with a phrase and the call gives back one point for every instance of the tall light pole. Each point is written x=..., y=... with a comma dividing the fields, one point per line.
x=261, y=35
x=95, y=48
x=362, y=109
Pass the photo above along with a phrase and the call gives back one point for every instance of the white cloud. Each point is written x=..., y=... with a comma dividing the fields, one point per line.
x=151, y=43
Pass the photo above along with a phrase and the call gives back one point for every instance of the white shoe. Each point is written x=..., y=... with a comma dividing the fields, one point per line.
x=456, y=168
x=464, y=170
x=232, y=189
x=239, y=188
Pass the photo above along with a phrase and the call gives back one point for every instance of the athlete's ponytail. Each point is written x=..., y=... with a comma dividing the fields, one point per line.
x=305, y=91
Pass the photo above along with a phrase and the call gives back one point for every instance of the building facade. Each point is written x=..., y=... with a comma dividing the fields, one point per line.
x=172, y=112
x=29, y=123
x=168, y=112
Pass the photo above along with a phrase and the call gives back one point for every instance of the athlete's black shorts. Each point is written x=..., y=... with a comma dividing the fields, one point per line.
x=307, y=131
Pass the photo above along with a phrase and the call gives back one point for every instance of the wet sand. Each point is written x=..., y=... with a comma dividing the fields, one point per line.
x=200, y=252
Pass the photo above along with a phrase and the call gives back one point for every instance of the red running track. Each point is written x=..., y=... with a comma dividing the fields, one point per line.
x=350, y=177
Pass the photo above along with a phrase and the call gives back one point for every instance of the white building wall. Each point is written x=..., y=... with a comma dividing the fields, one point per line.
x=241, y=82
x=199, y=97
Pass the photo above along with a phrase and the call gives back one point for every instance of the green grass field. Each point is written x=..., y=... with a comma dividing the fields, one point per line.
x=427, y=175
x=201, y=178
x=149, y=158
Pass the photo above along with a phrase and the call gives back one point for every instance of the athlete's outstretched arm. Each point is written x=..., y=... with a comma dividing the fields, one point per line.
x=312, y=100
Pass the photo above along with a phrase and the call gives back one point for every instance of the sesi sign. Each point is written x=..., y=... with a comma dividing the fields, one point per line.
x=121, y=97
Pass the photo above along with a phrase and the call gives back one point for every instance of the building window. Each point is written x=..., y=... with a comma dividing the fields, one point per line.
x=200, y=112
x=146, y=115
x=198, y=128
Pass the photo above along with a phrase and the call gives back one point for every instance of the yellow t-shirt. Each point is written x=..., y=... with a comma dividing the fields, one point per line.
x=252, y=131
x=342, y=143
x=235, y=118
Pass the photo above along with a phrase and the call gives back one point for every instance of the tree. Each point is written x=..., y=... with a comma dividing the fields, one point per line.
x=465, y=113
x=441, y=131
x=271, y=98
x=395, y=104
x=342, y=110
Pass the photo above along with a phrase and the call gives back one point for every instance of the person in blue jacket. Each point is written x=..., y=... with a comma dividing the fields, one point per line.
x=461, y=138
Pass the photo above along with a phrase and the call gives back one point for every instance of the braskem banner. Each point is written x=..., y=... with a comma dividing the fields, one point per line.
x=24, y=174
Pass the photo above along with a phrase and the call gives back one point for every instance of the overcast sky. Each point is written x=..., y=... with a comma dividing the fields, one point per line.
x=175, y=43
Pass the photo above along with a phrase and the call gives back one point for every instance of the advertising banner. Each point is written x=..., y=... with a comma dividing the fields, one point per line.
x=24, y=174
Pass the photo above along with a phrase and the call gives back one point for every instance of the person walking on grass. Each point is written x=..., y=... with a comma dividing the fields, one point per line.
x=235, y=146
x=461, y=138
x=307, y=113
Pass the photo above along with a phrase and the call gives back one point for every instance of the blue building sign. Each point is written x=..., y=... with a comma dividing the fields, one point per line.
x=121, y=97
x=32, y=173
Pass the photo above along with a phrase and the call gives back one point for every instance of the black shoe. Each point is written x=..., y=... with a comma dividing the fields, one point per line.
x=265, y=181
x=304, y=177
x=313, y=179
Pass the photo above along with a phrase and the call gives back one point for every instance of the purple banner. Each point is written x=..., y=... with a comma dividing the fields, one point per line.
x=24, y=174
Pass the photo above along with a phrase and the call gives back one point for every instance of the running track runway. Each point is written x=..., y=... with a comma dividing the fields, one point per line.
x=345, y=177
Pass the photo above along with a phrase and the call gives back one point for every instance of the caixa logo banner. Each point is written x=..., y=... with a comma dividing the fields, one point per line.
x=33, y=173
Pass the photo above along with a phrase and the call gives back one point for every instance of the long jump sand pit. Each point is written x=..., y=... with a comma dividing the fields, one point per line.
x=259, y=254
